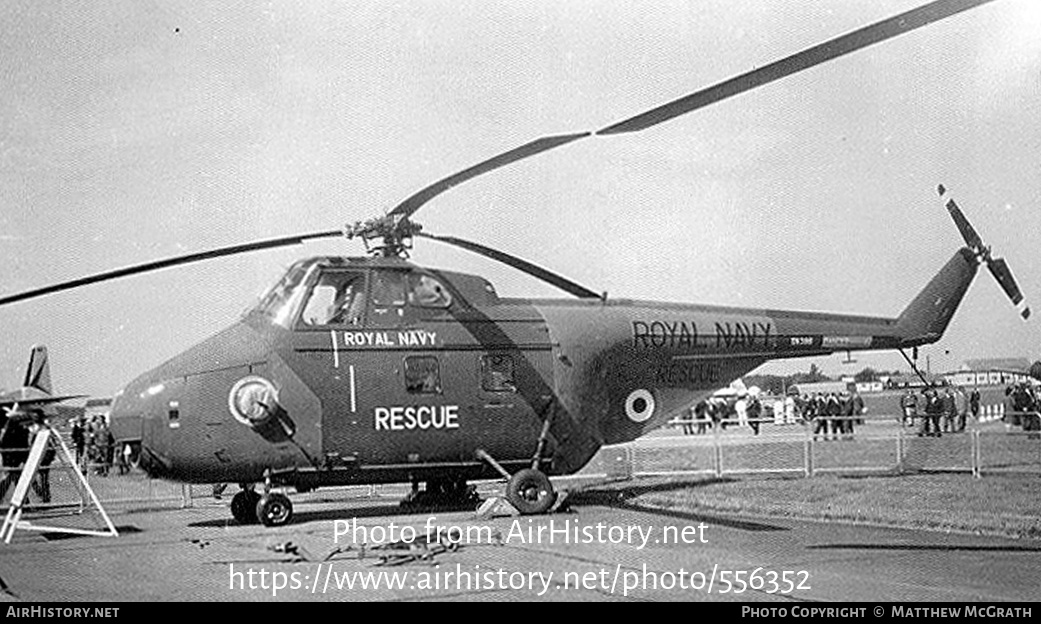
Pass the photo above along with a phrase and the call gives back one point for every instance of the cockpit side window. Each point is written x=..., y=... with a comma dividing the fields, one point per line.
x=338, y=298
x=427, y=292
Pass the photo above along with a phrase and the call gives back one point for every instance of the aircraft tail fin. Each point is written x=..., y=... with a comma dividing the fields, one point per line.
x=927, y=316
x=38, y=375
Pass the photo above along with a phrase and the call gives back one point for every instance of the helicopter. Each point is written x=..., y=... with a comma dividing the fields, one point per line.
x=374, y=369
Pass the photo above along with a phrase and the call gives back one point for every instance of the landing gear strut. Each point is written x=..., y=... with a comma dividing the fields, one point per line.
x=529, y=490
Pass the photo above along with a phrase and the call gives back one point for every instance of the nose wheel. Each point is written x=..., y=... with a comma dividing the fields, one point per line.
x=274, y=509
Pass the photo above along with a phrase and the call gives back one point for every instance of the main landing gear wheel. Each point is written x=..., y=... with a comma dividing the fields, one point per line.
x=244, y=506
x=530, y=492
x=274, y=509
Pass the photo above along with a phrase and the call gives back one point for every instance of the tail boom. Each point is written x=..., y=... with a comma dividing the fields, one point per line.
x=926, y=318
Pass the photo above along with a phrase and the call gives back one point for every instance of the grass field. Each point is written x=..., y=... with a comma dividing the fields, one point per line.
x=928, y=485
x=1005, y=505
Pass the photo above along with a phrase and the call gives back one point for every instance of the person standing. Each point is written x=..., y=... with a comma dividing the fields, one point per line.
x=79, y=439
x=789, y=410
x=934, y=412
x=974, y=403
x=778, y=411
x=701, y=416
x=41, y=482
x=909, y=406
x=963, y=409
x=818, y=416
x=923, y=419
x=856, y=412
x=950, y=410
x=688, y=421
x=833, y=408
x=755, y=413
x=14, y=452
x=741, y=407
x=110, y=449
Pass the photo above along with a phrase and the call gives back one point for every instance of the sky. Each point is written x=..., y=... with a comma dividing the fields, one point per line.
x=134, y=130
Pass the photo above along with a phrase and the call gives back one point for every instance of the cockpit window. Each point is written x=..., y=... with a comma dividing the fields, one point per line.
x=427, y=292
x=388, y=288
x=337, y=298
x=277, y=302
x=388, y=298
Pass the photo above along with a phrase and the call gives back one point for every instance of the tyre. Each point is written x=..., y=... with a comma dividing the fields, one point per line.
x=1032, y=422
x=274, y=510
x=244, y=506
x=530, y=492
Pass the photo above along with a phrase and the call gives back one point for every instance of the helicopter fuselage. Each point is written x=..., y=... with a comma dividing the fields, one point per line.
x=407, y=390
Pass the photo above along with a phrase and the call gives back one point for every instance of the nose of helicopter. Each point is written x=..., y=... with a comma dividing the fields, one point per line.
x=131, y=408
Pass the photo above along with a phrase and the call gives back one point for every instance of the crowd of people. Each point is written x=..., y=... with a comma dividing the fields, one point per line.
x=1025, y=400
x=833, y=415
x=932, y=411
x=16, y=438
x=96, y=446
x=939, y=410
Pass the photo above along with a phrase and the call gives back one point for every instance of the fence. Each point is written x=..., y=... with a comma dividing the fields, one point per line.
x=880, y=446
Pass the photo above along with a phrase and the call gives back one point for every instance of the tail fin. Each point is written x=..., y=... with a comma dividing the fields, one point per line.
x=926, y=317
x=38, y=375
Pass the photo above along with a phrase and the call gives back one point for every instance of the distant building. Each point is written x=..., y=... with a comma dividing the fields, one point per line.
x=990, y=372
x=869, y=386
x=822, y=387
x=1013, y=364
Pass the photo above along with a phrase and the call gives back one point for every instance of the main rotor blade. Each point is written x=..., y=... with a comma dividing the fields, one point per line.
x=168, y=262
x=550, y=277
x=821, y=53
x=414, y=202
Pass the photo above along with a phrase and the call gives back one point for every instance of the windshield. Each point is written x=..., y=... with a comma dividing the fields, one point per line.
x=277, y=302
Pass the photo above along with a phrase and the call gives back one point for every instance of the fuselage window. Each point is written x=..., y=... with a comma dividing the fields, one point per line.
x=497, y=373
x=427, y=292
x=422, y=375
x=337, y=299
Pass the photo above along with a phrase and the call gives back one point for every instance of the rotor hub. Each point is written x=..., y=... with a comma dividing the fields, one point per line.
x=387, y=236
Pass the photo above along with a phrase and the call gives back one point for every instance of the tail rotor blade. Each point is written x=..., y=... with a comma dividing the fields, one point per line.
x=972, y=238
x=999, y=269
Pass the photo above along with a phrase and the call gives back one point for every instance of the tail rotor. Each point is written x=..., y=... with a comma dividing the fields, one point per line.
x=997, y=266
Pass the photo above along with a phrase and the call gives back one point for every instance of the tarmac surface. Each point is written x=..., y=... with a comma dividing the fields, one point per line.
x=602, y=550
